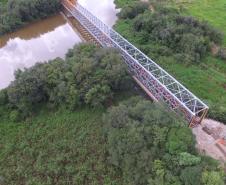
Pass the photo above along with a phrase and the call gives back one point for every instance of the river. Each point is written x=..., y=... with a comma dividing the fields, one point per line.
x=45, y=40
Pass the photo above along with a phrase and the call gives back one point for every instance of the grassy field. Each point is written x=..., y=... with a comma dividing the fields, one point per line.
x=59, y=147
x=213, y=11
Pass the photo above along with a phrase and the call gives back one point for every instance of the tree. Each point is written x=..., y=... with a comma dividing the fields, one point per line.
x=132, y=10
x=191, y=175
x=136, y=132
x=183, y=37
x=3, y=97
x=186, y=159
x=180, y=140
x=18, y=13
x=212, y=178
x=90, y=75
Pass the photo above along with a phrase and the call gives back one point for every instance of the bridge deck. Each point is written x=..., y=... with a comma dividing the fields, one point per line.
x=156, y=80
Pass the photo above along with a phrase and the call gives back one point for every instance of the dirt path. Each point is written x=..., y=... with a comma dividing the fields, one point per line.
x=209, y=139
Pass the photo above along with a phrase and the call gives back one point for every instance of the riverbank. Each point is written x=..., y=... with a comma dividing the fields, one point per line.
x=42, y=40
x=21, y=13
x=39, y=41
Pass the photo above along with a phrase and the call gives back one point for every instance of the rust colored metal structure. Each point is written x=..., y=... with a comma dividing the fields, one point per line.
x=159, y=84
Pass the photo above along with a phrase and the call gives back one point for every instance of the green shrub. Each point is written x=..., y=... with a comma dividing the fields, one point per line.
x=149, y=145
x=180, y=140
x=212, y=178
x=218, y=112
x=132, y=10
x=186, y=159
x=191, y=175
x=17, y=13
x=222, y=53
x=171, y=34
x=89, y=75
x=14, y=116
x=3, y=97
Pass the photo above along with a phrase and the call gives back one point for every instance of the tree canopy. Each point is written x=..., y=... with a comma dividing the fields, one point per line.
x=150, y=146
x=89, y=75
x=163, y=31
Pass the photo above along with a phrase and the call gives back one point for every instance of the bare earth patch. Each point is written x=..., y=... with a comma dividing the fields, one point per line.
x=211, y=139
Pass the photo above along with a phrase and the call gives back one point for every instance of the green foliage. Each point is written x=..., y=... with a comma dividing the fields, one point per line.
x=3, y=97
x=218, y=112
x=212, y=178
x=150, y=146
x=206, y=10
x=59, y=147
x=20, y=12
x=122, y=3
x=132, y=10
x=14, y=116
x=201, y=73
x=191, y=175
x=186, y=159
x=222, y=53
x=187, y=38
x=89, y=75
x=180, y=140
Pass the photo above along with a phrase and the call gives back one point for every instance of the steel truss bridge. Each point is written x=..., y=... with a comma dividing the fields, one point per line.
x=159, y=84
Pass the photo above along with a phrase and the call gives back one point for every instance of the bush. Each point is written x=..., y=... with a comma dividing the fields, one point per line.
x=218, y=112
x=89, y=75
x=222, y=53
x=14, y=116
x=149, y=145
x=180, y=141
x=191, y=175
x=22, y=12
x=134, y=9
x=212, y=178
x=3, y=97
x=183, y=36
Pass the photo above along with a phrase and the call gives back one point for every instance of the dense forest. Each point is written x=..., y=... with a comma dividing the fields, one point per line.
x=181, y=44
x=17, y=13
x=52, y=130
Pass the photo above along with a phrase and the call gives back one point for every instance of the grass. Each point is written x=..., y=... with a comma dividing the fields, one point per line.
x=121, y=3
x=206, y=80
x=213, y=11
x=3, y=1
x=59, y=147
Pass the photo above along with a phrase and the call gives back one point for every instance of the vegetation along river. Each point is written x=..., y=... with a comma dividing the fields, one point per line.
x=45, y=40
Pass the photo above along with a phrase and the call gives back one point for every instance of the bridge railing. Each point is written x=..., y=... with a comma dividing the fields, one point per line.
x=161, y=84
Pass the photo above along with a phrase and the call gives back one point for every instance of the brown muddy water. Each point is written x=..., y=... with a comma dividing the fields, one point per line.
x=45, y=40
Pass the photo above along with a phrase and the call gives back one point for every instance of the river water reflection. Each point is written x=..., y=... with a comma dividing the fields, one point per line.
x=45, y=40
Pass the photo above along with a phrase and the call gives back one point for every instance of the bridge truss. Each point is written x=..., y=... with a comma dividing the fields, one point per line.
x=162, y=86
